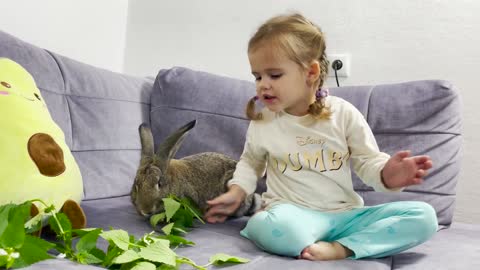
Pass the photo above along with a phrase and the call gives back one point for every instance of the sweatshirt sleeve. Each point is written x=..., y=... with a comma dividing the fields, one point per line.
x=366, y=158
x=252, y=164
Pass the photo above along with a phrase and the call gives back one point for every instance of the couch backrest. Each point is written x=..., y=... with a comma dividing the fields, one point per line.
x=99, y=111
x=423, y=116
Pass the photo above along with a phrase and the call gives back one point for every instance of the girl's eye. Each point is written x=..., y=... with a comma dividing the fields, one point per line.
x=258, y=78
x=276, y=76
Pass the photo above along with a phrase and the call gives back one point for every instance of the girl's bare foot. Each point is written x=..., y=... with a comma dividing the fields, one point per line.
x=324, y=251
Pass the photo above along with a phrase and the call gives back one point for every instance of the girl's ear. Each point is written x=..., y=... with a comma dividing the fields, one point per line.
x=313, y=72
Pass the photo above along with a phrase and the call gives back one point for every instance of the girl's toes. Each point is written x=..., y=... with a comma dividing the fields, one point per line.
x=305, y=254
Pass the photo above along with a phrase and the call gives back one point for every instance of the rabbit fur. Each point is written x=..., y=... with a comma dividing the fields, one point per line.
x=200, y=177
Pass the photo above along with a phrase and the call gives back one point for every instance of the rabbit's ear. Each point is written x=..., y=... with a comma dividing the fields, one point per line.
x=146, y=138
x=170, y=146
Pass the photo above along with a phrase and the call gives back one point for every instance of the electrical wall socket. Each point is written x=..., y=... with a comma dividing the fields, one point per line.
x=345, y=70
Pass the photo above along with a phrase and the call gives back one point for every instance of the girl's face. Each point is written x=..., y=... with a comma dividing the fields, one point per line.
x=281, y=83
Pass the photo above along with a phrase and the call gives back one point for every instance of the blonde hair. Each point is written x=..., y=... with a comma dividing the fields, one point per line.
x=303, y=42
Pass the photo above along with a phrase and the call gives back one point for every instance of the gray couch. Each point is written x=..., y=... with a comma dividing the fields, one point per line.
x=100, y=111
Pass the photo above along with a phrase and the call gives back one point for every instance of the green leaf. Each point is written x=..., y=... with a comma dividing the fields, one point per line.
x=155, y=219
x=222, y=258
x=119, y=237
x=10, y=262
x=85, y=257
x=126, y=257
x=112, y=252
x=144, y=266
x=87, y=251
x=88, y=241
x=34, y=224
x=185, y=260
x=167, y=267
x=176, y=240
x=179, y=229
x=65, y=223
x=4, y=261
x=33, y=250
x=171, y=207
x=168, y=228
x=4, y=211
x=65, y=227
x=125, y=266
x=98, y=253
x=82, y=232
x=159, y=252
x=184, y=218
x=14, y=234
x=192, y=207
x=133, y=241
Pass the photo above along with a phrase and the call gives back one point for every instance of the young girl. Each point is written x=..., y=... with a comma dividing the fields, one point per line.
x=305, y=140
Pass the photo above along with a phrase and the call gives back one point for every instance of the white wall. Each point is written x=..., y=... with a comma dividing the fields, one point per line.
x=389, y=41
x=90, y=31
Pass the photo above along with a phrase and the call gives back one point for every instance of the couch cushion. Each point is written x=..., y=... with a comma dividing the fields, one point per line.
x=106, y=109
x=422, y=116
x=217, y=102
x=46, y=73
x=98, y=110
x=211, y=239
x=457, y=247
x=437, y=253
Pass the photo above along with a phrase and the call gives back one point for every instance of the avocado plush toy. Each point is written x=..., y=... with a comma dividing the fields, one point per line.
x=35, y=162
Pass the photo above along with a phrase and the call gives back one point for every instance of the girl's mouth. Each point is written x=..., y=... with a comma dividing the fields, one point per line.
x=269, y=98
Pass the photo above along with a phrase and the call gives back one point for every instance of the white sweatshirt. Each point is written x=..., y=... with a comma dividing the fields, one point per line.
x=307, y=161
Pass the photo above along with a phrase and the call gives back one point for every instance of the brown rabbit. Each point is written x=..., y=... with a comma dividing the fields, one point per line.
x=200, y=177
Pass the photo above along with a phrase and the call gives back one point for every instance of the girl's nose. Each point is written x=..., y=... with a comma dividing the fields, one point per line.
x=264, y=84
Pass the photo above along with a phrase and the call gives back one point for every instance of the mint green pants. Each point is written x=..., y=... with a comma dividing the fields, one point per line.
x=370, y=231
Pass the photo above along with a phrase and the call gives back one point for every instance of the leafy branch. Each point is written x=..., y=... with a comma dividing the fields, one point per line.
x=152, y=251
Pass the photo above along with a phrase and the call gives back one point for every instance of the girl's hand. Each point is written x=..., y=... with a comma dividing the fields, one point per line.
x=401, y=170
x=224, y=205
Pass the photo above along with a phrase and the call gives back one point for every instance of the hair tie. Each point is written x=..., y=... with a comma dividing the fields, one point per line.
x=321, y=93
x=255, y=98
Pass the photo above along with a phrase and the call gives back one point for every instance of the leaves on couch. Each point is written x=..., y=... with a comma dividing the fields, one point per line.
x=151, y=251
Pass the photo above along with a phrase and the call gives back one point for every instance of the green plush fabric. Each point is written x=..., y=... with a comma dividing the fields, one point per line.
x=35, y=161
